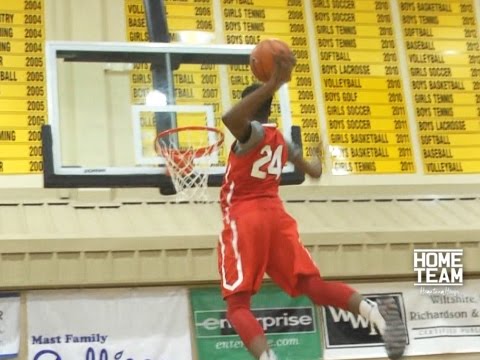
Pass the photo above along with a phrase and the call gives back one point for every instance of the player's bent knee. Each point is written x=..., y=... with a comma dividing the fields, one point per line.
x=306, y=283
x=325, y=292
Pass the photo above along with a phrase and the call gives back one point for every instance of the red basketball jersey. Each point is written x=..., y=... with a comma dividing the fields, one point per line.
x=254, y=175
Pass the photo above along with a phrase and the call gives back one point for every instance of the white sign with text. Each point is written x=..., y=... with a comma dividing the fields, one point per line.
x=119, y=324
x=439, y=320
x=9, y=324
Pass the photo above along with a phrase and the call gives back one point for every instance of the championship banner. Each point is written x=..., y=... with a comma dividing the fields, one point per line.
x=120, y=324
x=439, y=320
x=9, y=325
x=290, y=324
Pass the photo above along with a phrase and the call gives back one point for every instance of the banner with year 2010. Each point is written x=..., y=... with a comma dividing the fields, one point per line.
x=120, y=324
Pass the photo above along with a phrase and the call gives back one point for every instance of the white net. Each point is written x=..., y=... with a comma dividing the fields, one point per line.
x=189, y=154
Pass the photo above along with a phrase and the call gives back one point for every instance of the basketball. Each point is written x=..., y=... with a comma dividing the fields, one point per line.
x=262, y=57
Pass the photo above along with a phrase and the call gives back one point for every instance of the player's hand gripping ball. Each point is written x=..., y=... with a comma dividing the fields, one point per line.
x=262, y=57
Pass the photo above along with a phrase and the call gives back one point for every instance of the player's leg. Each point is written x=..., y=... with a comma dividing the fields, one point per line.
x=340, y=295
x=385, y=314
x=247, y=327
x=294, y=270
x=242, y=256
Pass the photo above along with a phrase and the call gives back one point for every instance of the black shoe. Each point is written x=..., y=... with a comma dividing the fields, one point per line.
x=395, y=336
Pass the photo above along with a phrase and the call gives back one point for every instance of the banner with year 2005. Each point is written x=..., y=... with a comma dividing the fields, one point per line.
x=23, y=92
x=118, y=324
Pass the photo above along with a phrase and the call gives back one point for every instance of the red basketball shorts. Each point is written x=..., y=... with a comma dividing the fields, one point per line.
x=258, y=241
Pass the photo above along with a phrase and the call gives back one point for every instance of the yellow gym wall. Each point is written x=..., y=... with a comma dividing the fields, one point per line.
x=132, y=237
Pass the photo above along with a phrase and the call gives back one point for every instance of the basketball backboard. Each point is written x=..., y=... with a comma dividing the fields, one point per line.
x=108, y=101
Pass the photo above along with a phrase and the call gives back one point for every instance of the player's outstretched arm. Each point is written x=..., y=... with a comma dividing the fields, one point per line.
x=238, y=118
x=312, y=168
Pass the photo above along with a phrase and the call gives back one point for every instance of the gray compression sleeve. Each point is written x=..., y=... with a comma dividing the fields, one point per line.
x=255, y=137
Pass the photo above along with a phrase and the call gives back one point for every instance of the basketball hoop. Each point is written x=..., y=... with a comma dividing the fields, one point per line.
x=189, y=153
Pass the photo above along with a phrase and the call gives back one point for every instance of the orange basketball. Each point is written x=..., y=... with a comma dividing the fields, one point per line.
x=262, y=57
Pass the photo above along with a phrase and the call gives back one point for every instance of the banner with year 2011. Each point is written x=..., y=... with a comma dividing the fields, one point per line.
x=439, y=320
x=118, y=324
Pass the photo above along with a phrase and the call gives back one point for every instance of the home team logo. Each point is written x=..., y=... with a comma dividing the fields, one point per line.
x=342, y=329
x=438, y=267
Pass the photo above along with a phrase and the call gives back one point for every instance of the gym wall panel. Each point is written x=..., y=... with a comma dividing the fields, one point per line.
x=112, y=243
x=63, y=218
x=11, y=219
x=40, y=267
x=71, y=267
x=77, y=21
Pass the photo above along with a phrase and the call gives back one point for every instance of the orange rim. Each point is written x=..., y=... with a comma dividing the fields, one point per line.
x=199, y=152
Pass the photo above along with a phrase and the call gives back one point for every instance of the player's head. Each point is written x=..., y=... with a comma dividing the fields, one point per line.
x=264, y=111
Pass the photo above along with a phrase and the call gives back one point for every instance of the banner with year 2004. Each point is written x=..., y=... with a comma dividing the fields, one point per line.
x=118, y=324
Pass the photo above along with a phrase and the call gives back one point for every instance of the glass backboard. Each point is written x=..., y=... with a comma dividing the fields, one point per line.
x=108, y=101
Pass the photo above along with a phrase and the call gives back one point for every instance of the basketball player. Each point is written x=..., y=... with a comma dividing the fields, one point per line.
x=259, y=236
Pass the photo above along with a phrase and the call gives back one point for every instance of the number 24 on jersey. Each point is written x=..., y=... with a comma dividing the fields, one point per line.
x=272, y=158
